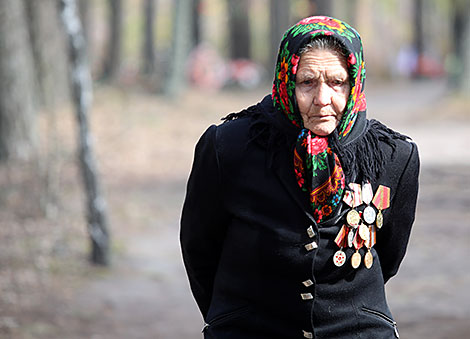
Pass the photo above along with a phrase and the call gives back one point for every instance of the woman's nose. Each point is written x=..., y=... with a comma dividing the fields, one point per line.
x=322, y=96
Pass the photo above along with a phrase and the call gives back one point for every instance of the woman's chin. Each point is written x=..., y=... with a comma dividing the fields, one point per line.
x=322, y=129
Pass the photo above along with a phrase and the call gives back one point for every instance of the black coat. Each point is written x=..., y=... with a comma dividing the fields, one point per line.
x=243, y=236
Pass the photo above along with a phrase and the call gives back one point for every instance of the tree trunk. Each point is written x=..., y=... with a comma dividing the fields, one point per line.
x=460, y=75
x=418, y=39
x=148, y=47
x=82, y=95
x=47, y=46
x=239, y=27
x=17, y=109
x=320, y=7
x=196, y=20
x=279, y=15
x=113, y=57
x=84, y=10
x=181, y=46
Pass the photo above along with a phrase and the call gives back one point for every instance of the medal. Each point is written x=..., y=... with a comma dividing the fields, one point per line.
x=353, y=199
x=368, y=259
x=350, y=237
x=364, y=232
x=356, y=259
x=339, y=258
x=380, y=219
x=353, y=218
x=367, y=194
x=381, y=201
x=369, y=215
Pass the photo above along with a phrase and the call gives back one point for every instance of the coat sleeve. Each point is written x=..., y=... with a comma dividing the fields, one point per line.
x=203, y=220
x=392, y=239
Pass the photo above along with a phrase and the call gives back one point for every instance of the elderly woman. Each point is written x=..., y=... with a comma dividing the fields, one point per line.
x=299, y=209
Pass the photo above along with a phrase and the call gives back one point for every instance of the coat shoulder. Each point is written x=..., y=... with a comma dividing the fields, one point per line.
x=400, y=154
x=398, y=146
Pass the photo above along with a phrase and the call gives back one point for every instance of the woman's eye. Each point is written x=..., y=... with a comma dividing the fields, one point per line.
x=338, y=82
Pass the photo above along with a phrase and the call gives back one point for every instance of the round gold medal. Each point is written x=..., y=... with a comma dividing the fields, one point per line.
x=353, y=218
x=364, y=232
x=356, y=260
x=380, y=219
x=339, y=258
x=368, y=260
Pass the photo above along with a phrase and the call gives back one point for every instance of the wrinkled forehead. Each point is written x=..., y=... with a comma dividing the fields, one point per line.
x=322, y=62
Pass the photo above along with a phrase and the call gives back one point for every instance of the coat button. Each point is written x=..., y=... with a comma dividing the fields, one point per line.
x=311, y=246
x=308, y=334
x=310, y=232
x=306, y=296
x=307, y=283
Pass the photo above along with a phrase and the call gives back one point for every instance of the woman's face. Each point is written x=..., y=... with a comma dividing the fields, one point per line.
x=322, y=89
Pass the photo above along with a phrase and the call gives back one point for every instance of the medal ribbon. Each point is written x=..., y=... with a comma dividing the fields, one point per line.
x=348, y=198
x=382, y=197
x=367, y=193
x=373, y=236
x=341, y=239
x=358, y=242
x=357, y=198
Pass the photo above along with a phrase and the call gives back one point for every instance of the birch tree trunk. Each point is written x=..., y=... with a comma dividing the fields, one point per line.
x=82, y=96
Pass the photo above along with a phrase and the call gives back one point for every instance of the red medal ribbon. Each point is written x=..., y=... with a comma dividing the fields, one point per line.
x=341, y=239
x=348, y=198
x=356, y=194
x=382, y=197
x=358, y=242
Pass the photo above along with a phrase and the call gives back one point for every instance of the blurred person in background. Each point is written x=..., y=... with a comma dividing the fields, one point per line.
x=299, y=209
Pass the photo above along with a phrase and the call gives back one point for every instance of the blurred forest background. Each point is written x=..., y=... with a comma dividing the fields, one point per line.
x=99, y=114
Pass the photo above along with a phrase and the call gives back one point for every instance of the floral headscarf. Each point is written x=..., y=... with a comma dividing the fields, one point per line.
x=317, y=168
